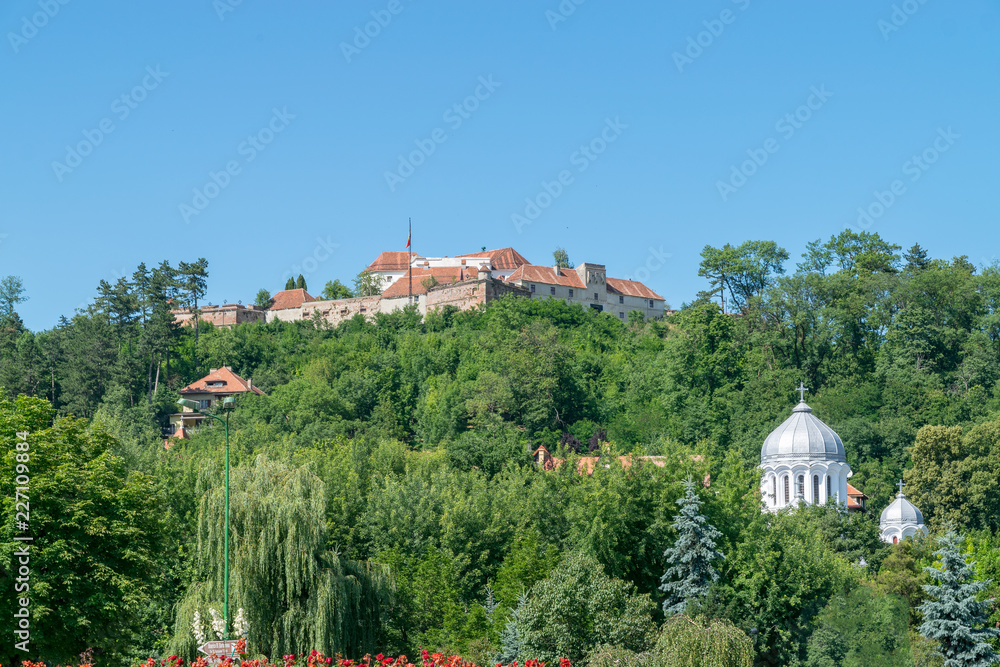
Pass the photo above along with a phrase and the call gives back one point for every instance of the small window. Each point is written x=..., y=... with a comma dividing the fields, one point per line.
x=552, y=290
x=786, y=498
x=621, y=299
x=621, y=315
x=829, y=490
x=800, y=487
x=204, y=404
x=532, y=289
x=774, y=490
x=571, y=292
x=650, y=303
x=595, y=296
x=816, y=489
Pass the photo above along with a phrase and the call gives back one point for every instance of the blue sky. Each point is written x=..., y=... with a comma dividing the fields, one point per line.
x=667, y=99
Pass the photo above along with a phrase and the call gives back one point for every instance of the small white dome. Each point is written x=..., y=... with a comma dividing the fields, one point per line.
x=802, y=436
x=901, y=512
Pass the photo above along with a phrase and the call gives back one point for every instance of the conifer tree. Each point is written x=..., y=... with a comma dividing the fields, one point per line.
x=953, y=616
x=690, y=574
x=510, y=638
x=290, y=283
x=301, y=282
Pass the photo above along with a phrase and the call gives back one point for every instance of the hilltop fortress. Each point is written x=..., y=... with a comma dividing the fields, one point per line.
x=463, y=281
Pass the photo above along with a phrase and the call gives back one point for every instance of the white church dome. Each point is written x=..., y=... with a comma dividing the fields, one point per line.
x=901, y=512
x=802, y=436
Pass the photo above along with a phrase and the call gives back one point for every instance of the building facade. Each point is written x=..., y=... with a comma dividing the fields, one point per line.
x=804, y=461
x=209, y=390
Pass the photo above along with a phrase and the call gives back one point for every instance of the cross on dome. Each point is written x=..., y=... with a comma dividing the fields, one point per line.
x=802, y=392
x=900, y=485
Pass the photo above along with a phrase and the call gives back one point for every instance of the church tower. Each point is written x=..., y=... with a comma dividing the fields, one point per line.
x=803, y=461
x=901, y=519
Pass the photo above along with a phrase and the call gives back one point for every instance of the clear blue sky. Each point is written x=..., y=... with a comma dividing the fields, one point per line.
x=320, y=182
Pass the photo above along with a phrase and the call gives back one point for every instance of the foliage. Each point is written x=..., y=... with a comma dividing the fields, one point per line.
x=560, y=258
x=334, y=289
x=953, y=616
x=579, y=607
x=263, y=299
x=687, y=642
x=96, y=530
x=691, y=572
x=861, y=629
x=367, y=284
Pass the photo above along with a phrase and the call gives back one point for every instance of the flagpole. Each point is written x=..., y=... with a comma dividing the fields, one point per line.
x=409, y=264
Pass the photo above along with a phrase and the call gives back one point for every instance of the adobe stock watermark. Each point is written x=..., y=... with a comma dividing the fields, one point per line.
x=786, y=127
x=565, y=9
x=654, y=262
x=914, y=168
x=305, y=267
x=901, y=13
x=704, y=39
x=122, y=107
x=248, y=149
x=581, y=158
x=37, y=21
x=223, y=7
x=22, y=517
x=454, y=115
x=363, y=36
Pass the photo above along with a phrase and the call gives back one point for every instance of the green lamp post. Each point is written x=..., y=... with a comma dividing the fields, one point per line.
x=228, y=404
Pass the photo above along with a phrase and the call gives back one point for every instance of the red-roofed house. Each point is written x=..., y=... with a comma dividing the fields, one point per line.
x=504, y=261
x=589, y=286
x=209, y=390
x=392, y=265
x=286, y=305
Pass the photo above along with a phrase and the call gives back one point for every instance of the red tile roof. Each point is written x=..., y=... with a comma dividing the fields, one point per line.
x=392, y=260
x=290, y=298
x=855, y=498
x=444, y=275
x=501, y=258
x=233, y=383
x=547, y=275
x=631, y=288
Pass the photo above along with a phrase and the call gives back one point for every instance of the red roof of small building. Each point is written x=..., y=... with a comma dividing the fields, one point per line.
x=290, y=298
x=855, y=498
x=392, y=260
x=547, y=275
x=631, y=288
x=501, y=258
x=443, y=274
x=231, y=383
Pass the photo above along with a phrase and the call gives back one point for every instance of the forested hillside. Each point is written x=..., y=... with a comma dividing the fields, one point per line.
x=384, y=495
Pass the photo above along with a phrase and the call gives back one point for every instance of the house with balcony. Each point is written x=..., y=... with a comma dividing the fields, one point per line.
x=210, y=390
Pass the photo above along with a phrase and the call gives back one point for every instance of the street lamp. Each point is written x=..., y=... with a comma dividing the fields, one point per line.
x=228, y=403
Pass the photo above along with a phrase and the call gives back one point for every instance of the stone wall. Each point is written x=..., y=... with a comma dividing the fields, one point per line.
x=221, y=316
x=468, y=294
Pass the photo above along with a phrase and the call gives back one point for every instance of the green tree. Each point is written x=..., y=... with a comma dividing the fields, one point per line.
x=916, y=258
x=296, y=595
x=11, y=294
x=334, y=289
x=861, y=629
x=561, y=258
x=96, y=529
x=952, y=615
x=263, y=299
x=290, y=283
x=579, y=607
x=300, y=283
x=691, y=573
x=193, y=282
x=686, y=642
x=367, y=284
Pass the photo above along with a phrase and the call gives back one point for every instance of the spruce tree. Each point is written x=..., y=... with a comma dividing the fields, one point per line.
x=290, y=283
x=510, y=638
x=300, y=283
x=690, y=574
x=953, y=616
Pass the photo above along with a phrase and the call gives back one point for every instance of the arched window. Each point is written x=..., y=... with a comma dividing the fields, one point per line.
x=816, y=489
x=800, y=487
x=786, y=497
x=774, y=490
x=829, y=489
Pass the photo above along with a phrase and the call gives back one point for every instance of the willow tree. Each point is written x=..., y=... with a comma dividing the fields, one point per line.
x=684, y=641
x=296, y=595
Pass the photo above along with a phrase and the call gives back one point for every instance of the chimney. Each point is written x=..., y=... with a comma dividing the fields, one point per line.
x=212, y=370
x=250, y=384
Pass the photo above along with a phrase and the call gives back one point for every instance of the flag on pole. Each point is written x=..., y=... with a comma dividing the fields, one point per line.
x=408, y=241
